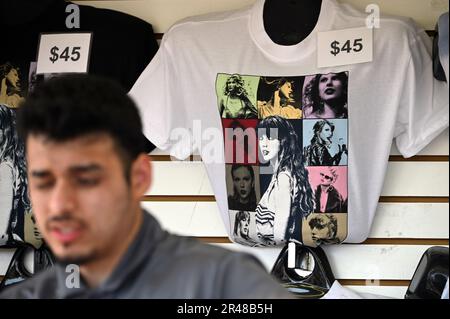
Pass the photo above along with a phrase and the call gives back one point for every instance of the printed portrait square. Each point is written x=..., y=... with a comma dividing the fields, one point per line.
x=280, y=96
x=329, y=184
x=325, y=142
x=243, y=227
x=241, y=141
x=324, y=229
x=236, y=96
x=275, y=127
x=325, y=96
x=243, y=186
x=13, y=84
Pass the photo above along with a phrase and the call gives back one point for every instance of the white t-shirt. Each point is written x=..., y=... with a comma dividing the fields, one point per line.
x=326, y=163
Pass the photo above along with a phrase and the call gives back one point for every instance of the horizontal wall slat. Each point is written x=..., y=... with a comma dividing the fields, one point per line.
x=364, y=262
x=397, y=220
x=416, y=179
x=162, y=14
x=403, y=179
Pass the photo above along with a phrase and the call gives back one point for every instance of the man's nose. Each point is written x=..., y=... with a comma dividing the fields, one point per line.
x=62, y=199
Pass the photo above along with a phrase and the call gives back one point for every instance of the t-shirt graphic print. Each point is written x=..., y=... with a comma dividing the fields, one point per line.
x=286, y=157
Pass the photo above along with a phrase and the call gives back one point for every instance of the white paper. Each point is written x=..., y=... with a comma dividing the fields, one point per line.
x=52, y=46
x=359, y=48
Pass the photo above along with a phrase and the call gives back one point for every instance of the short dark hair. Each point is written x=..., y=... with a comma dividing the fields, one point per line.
x=69, y=106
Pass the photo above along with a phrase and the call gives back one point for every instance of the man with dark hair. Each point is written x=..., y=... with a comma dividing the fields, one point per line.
x=88, y=171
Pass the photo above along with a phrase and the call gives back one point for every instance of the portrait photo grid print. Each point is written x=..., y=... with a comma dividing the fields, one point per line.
x=286, y=154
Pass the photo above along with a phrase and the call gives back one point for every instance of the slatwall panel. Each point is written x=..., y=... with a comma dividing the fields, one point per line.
x=413, y=213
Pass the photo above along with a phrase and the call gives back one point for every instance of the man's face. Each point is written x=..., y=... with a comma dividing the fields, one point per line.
x=243, y=182
x=82, y=202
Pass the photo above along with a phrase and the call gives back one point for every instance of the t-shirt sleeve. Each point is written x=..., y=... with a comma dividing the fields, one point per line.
x=423, y=111
x=159, y=98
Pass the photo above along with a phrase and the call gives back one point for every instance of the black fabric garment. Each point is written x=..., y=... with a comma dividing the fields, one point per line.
x=122, y=45
x=289, y=22
x=160, y=265
x=318, y=155
x=235, y=204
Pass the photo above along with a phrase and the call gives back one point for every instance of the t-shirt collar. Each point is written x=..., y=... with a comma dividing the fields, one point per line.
x=290, y=53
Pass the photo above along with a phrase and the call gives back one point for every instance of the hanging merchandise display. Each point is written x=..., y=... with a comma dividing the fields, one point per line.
x=120, y=46
x=294, y=151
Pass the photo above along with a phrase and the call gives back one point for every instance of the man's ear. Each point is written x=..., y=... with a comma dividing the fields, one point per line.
x=141, y=175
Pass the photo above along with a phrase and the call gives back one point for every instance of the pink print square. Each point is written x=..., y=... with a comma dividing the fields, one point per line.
x=335, y=176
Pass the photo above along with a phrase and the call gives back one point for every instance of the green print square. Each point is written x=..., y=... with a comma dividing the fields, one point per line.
x=236, y=96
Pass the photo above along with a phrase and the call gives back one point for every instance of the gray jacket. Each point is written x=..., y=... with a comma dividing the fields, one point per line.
x=161, y=265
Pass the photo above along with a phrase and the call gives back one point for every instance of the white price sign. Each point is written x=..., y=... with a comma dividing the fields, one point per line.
x=64, y=52
x=344, y=47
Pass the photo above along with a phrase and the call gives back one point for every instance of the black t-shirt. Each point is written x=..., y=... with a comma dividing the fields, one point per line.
x=122, y=45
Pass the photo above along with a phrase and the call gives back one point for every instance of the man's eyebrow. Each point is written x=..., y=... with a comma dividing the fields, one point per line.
x=78, y=169
x=40, y=174
x=88, y=168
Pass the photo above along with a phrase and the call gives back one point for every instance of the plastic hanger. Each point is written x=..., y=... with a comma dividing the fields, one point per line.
x=17, y=271
x=438, y=70
x=431, y=275
x=304, y=271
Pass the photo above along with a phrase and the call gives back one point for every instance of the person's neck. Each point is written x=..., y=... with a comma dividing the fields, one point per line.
x=325, y=188
x=289, y=22
x=274, y=163
x=98, y=271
